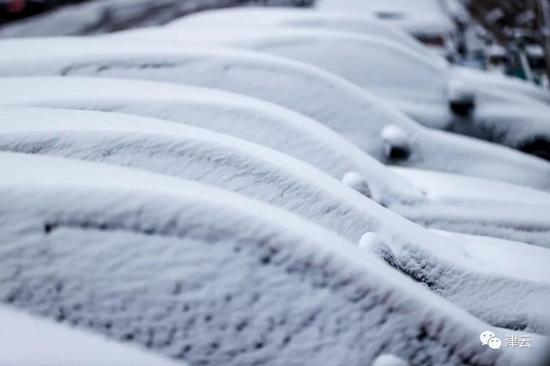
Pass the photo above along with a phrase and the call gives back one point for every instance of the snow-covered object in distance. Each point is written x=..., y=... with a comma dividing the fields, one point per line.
x=30, y=341
x=237, y=166
x=423, y=88
x=422, y=18
x=233, y=164
x=497, y=81
x=389, y=360
x=233, y=114
x=338, y=104
x=251, y=16
x=204, y=275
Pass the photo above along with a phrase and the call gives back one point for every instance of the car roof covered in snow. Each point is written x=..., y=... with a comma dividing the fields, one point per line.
x=340, y=105
x=128, y=250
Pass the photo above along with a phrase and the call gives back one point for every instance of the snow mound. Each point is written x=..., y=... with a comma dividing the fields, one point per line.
x=340, y=105
x=30, y=341
x=200, y=274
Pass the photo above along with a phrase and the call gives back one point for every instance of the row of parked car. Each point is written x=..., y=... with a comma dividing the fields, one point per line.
x=261, y=186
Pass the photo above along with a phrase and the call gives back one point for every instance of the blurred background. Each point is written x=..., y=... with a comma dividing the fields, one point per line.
x=512, y=36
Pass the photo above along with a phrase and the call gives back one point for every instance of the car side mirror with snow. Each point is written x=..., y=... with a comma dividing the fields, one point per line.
x=462, y=102
x=397, y=145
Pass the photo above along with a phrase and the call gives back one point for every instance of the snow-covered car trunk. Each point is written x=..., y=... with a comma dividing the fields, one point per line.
x=425, y=89
x=338, y=104
x=200, y=274
x=286, y=183
x=31, y=341
x=461, y=207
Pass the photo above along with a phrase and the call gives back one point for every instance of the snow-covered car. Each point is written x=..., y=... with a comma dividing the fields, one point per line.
x=31, y=341
x=262, y=17
x=430, y=21
x=204, y=275
x=373, y=126
x=276, y=179
x=429, y=91
x=432, y=199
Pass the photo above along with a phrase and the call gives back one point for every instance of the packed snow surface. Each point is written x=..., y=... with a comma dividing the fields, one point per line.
x=30, y=341
x=338, y=104
x=201, y=274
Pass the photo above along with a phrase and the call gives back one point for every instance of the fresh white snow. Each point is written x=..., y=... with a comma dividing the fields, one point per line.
x=233, y=114
x=299, y=18
x=201, y=274
x=417, y=17
x=212, y=158
x=340, y=105
x=419, y=84
x=283, y=182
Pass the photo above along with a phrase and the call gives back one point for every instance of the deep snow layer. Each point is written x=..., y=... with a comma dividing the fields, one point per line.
x=263, y=174
x=200, y=274
x=330, y=100
x=30, y=341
